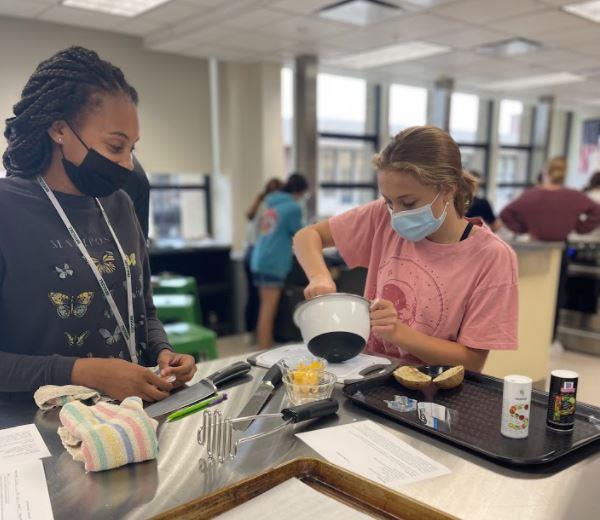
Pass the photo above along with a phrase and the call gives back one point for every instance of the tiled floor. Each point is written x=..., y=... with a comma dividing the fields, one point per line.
x=236, y=345
x=587, y=366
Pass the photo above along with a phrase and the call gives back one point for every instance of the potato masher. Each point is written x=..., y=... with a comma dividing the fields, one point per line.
x=216, y=432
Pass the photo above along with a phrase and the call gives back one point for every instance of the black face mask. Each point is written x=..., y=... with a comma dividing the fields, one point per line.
x=96, y=176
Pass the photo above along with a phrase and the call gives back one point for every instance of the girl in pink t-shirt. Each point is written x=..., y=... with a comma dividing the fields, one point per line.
x=444, y=288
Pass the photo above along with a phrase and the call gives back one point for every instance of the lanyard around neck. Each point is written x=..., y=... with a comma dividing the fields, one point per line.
x=128, y=333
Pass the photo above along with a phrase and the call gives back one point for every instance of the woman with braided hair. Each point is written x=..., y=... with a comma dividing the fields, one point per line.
x=75, y=298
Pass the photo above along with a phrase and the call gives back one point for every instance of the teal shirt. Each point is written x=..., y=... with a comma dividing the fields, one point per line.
x=272, y=254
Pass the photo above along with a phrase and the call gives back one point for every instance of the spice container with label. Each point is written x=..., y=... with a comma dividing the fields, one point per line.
x=516, y=405
x=562, y=399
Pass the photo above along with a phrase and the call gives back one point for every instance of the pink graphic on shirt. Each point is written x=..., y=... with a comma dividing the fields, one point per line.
x=416, y=293
x=268, y=221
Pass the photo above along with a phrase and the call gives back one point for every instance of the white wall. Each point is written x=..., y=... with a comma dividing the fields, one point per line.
x=174, y=95
x=251, y=134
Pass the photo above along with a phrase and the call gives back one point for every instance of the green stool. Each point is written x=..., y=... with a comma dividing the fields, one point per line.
x=178, y=285
x=192, y=339
x=176, y=308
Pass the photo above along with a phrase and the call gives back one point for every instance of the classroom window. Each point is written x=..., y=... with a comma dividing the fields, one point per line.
x=341, y=104
x=514, y=173
x=344, y=113
x=513, y=124
x=179, y=207
x=408, y=107
x=464, y=117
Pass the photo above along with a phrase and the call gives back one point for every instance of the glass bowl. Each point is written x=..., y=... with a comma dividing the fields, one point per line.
x=312, y=386
x=305, y=361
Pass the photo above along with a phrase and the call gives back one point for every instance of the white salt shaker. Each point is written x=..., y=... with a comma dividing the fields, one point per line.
x=516, y=405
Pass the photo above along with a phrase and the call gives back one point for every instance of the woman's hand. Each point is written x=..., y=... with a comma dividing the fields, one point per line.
x=384, y=320
x=182, y=366
x=318, y=285
x=120, y=379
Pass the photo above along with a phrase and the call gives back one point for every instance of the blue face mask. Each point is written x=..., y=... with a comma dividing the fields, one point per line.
x=417, y=224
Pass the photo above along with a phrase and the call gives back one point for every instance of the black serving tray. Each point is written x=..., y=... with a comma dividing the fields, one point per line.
x=475, y=418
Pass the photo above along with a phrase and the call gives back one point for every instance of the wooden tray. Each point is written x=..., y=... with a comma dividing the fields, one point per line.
x=361, y=494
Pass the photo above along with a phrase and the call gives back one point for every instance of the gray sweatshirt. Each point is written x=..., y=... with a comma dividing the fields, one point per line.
x=52, y=310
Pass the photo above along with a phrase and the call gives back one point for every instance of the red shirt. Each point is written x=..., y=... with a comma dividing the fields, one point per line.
x=551, y=214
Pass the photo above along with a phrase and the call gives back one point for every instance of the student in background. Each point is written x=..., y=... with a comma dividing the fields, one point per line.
x=252, y=233
x=551, y=212
x=272, y=256
x=480, y=207
x=444, y=288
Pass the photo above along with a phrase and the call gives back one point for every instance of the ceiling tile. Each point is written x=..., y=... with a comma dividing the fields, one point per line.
x=138, y=27
x=304, y=28
x=325, y=52
x=572, y=38
x=172, y=12
x=557, y=59
x=418, y=26
x=81, y=17
x=408, y=70
x=255, y=19
x=360, y=40
x=209, y=3
x=22, y=8
x=559, y=3
x=496, y=68
x=480, y=11
x=450, y=60
x=468, y=38
x=301, y=6
x=254, y=42
x=177, y=45
x=205, y=51
x=540, y=23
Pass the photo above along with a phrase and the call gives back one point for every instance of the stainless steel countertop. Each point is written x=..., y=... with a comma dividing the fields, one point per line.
x=476, y=489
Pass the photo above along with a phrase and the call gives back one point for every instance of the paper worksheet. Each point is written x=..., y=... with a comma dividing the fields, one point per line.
x=24, y=491
x=293, y=499
x=22, y=442
x=367, y=449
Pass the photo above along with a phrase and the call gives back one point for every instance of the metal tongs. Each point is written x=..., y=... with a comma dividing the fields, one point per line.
x=216, y=432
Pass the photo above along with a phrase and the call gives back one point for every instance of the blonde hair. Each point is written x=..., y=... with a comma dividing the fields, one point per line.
x=433, y=157
x=556, y=170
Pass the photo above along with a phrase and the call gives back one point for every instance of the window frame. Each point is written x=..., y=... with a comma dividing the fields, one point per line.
x=206, y=187
x=372, y=138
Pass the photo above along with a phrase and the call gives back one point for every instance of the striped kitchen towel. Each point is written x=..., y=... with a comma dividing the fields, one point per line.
x=106, y=436
x=52, y=396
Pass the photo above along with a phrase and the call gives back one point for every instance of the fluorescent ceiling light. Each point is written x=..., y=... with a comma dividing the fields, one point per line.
x=128, y=8
x=543, y=80
x=588, y=10
x=360, y=12
x=512, y=47
x=391, y=54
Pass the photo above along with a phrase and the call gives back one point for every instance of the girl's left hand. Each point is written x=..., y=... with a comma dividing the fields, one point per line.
x=182, y=366
x=384, y=319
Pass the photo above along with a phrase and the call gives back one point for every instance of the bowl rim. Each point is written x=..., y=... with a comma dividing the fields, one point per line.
x=300, y=306
x=318, y=385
